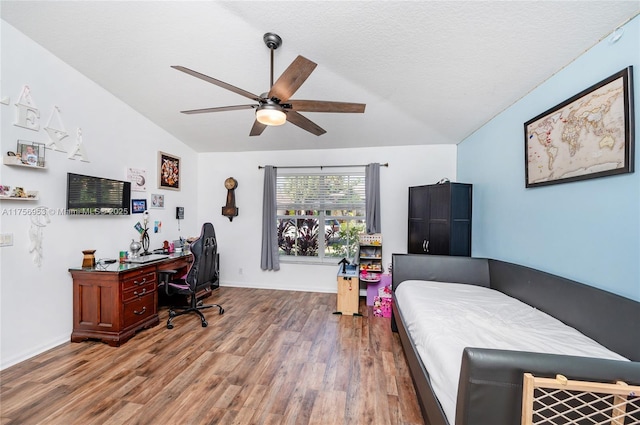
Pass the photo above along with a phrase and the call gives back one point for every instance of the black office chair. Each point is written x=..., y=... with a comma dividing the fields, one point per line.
x=203, y=273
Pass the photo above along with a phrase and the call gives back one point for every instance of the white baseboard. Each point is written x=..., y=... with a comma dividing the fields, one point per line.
x=13, y=360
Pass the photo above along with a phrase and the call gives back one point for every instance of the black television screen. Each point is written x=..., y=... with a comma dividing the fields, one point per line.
x=87, y=195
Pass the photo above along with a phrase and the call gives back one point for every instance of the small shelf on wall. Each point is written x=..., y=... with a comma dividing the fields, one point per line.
x=15, y=161
x=16, y=198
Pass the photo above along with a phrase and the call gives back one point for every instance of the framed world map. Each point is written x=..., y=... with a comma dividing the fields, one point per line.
x=589, y=135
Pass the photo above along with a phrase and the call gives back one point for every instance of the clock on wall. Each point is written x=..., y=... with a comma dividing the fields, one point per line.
x=230, y=209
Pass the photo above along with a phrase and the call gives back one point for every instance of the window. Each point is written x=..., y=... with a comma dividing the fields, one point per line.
x=319, y=216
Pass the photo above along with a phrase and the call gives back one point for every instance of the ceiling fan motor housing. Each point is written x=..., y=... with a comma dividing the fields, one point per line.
x=273, y=41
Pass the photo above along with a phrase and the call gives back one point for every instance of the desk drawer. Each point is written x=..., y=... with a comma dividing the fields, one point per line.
x=138, y=280
x=139, y=309
x=138, y=291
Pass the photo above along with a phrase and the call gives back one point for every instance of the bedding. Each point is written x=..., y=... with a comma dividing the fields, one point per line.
x=444, y=318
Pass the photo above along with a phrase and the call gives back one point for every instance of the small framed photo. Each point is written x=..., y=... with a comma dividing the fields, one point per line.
x=168, y=171
x=157, y=201
x=138, y=206
x=31, y=153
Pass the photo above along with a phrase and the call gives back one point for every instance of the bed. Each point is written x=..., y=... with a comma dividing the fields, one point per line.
x=487, y=322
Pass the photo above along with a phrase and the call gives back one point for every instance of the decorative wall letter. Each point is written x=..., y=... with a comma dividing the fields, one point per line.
x=78, y=149
x=27, y=114
x=56, y=134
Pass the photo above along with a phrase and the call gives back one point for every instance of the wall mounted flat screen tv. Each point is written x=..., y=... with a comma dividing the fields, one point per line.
x=87, y=195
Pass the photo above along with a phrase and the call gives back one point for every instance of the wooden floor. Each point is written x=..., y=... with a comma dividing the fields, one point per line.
x=273, y=357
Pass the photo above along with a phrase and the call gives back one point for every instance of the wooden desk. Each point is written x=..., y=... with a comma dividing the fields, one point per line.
x=111, y=303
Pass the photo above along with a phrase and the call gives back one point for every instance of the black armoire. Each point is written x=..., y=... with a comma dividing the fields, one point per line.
x=440, y=219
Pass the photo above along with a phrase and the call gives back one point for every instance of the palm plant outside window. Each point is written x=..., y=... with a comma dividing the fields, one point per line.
x=319, y=216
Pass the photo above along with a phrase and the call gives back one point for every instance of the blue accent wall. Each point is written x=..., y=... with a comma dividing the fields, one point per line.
x=587, y=231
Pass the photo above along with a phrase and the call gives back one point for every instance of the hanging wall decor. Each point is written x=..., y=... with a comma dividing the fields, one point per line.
x=230, y=210
x=39, y=220
x=168, y=171
x=138, y=179
x=78, y=150
x=588, y=135
x=56, y=134
x=27, y=113
x=157, y=201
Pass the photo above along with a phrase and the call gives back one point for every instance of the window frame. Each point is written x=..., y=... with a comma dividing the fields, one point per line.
x=322, y=212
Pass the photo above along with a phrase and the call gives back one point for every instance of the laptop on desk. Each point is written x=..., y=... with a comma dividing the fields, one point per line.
x=146, y=258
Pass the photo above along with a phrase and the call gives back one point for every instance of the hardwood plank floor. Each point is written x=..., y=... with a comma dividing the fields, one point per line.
x=273, y=357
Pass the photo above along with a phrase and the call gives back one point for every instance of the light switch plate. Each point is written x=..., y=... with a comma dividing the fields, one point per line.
x=6, y=239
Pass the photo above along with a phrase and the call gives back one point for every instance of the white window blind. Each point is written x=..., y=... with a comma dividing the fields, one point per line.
x=321, y=191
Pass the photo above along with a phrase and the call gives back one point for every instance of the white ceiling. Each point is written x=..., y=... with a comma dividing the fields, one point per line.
x=430, y=72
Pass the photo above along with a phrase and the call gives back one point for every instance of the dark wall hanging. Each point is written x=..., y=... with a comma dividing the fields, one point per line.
x=589, y=135
x=230, y=209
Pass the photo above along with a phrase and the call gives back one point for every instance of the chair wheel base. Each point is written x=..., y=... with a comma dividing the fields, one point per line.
x=204, y=324
x=169, y=325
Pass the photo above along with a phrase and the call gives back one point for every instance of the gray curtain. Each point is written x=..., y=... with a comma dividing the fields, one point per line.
x=269, y=259
x=372, y=192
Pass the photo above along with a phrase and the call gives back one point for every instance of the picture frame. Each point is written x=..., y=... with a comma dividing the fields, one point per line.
x=30, y=153
x=157, y=201
x=138, y=179
x=587, y=136
x=138, y=206
x=168, y=171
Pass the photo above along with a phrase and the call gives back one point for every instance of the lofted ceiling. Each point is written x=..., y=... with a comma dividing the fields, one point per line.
x=430, y=72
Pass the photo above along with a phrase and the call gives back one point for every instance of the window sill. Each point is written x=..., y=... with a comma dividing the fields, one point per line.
x=312, y=263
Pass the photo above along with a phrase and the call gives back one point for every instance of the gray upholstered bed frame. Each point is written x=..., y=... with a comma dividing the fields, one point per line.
x=490, y=386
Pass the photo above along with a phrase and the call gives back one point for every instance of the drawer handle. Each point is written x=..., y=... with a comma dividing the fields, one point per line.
x=144, y=291
x=144, y=280
x=141, y=311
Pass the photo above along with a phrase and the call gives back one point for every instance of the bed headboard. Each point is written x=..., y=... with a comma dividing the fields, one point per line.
x=439, y=268
x=610, y=319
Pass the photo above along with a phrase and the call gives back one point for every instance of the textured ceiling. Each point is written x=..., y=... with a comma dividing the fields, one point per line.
x=430, y=72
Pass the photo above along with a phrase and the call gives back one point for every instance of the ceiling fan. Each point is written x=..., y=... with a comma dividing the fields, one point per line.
x=276, y=107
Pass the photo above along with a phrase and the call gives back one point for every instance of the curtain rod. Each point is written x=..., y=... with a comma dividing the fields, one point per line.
x=260, y=167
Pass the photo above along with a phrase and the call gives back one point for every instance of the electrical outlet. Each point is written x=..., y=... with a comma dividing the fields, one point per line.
x=6, y=239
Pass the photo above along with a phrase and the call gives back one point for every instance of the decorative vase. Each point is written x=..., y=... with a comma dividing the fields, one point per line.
x=89, y=260
x=134, y=247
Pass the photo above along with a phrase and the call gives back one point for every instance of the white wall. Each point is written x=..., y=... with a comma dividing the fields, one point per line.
x=36, y=302
x=587, y=231
x=239, y=241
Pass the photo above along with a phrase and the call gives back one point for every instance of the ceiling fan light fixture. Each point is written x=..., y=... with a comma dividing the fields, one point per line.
x=270, y=115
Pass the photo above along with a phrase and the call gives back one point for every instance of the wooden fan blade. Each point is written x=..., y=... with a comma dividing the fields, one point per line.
x=304, y=123
x=257, y=128
x=292, y=78
x=219, y=109
x=322, y=106
x=217, y=82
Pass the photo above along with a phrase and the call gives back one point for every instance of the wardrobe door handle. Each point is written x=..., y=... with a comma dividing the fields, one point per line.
x=424, y=248
x=427, y=246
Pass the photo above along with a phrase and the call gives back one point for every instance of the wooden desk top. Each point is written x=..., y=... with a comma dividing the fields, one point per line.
x=118, y=267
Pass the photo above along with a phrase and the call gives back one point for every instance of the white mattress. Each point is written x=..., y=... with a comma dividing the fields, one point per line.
x=444, y=318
